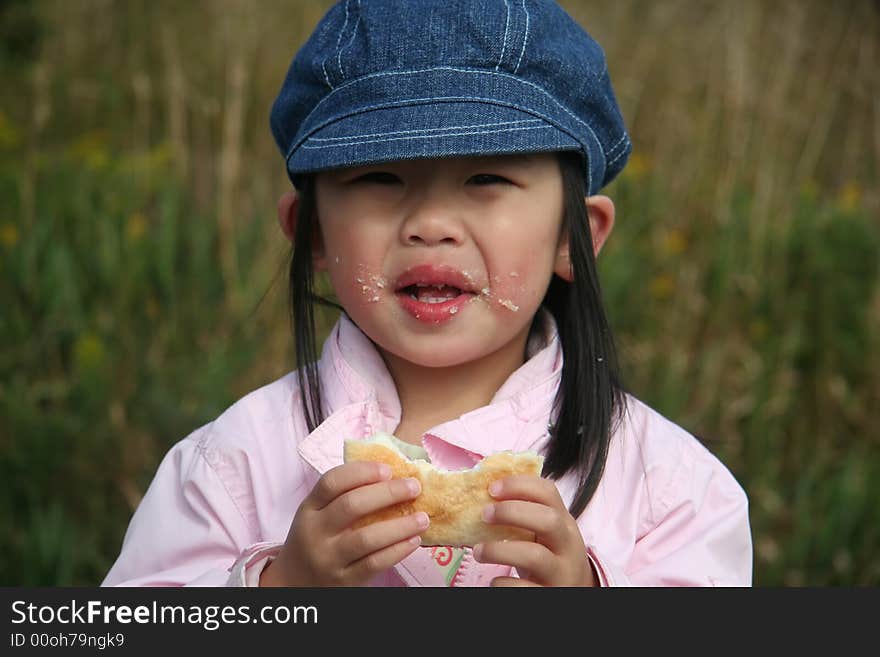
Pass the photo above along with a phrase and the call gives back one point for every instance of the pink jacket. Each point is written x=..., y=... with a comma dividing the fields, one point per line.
x=667, y=512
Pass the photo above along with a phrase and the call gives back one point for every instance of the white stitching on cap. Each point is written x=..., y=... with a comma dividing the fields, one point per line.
x=426, y=131
x=525, y=38
x=457, y=70
x=504, y=44
x=339, y=40
x=619, y=155
x=324, y=63
x=326, y=79
x=453, y=134
x=484, y=100
x=448, y=99
x=351, y=40
x=614, y=148
x=492, y=101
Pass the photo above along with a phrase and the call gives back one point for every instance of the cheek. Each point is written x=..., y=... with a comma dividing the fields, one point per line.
x=517, y=289
x=369, y=286
x=520, y=276
x=357, y=284
x=354, y=267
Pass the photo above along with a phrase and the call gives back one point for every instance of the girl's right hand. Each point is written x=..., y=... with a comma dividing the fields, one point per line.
x=323, y=550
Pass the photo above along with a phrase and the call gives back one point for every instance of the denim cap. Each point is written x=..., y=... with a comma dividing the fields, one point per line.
x=384, y=80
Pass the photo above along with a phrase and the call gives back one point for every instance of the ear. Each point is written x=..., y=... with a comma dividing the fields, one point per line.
x=600, y=209
x=288, y=213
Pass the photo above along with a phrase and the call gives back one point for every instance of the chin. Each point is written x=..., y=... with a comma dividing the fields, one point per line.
x=439, y=346
x=432, y=355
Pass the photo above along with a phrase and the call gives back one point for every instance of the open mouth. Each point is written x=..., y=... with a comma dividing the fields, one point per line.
x=426, y=293
x=434, y=293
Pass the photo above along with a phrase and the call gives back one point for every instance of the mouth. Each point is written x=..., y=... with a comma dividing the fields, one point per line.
x=434, y=284
x=434, y=293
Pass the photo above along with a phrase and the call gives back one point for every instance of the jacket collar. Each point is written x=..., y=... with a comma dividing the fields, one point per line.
x=360, y=399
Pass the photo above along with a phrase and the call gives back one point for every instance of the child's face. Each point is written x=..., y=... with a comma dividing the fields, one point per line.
x=482, y=236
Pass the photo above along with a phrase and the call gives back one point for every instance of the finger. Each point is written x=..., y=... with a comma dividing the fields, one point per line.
x=550, y=525
x=499, y=582
x=527, y=487
x=527, y=557
x=344, y=478
x=358, y=543
x=353, y=505
x=381, y=560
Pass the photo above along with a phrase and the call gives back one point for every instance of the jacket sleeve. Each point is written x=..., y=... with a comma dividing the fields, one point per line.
x=700, y=535
x=188, y=529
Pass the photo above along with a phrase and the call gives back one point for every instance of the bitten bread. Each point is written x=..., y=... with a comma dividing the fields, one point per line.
x=453, y=500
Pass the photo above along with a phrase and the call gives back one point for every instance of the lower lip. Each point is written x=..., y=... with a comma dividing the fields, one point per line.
x=433, y=313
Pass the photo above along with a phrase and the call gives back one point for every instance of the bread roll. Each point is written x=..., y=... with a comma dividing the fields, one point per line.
x=453, y=500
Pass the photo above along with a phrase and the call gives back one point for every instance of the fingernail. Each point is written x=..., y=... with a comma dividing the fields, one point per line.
x=414, y=485
x=494, y=488
x=416, y=540
x=384, y=471
x=422, y=519
x=488, y=512
x=478, y=552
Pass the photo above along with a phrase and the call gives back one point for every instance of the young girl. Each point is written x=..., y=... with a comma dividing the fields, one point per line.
x=446, y=158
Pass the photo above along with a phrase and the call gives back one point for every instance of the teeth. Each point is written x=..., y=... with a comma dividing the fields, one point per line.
x=413, y=295
x=430, y=285
x=434, y=294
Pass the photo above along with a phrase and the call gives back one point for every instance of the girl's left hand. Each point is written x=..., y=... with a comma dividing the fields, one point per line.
x=558, y=557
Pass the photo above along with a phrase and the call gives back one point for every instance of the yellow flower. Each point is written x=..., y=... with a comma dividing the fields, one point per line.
x=758, y=329
x=150, y=162
x=849, y=197
x=637, y=166
x=91, y=150
x=9, y=136
x=662, y=286
x=135, y=227
x=9, y=234
x=674, y=243
x=88, y=352
x=161, y=156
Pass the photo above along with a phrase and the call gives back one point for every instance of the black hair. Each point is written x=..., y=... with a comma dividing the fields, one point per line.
x=590, y=400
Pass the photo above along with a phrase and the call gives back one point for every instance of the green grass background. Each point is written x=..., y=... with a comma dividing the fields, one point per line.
x=142, y=273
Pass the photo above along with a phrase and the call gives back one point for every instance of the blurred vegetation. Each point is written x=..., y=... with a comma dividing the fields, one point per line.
x=142, y=272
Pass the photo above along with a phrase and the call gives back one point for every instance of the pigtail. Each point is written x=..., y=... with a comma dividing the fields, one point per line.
x=590, y=401
x=302, y=305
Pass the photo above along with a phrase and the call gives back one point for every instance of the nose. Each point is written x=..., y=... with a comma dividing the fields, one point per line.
x=433, y=219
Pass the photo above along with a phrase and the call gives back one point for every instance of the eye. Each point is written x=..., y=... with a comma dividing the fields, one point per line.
x=489, y=179
x=378, y=177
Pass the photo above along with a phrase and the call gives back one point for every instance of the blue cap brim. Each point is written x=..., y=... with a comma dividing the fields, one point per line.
x=443, y=112
x=429, y=130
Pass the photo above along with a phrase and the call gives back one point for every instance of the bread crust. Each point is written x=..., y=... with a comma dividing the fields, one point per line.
x=453, y=500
